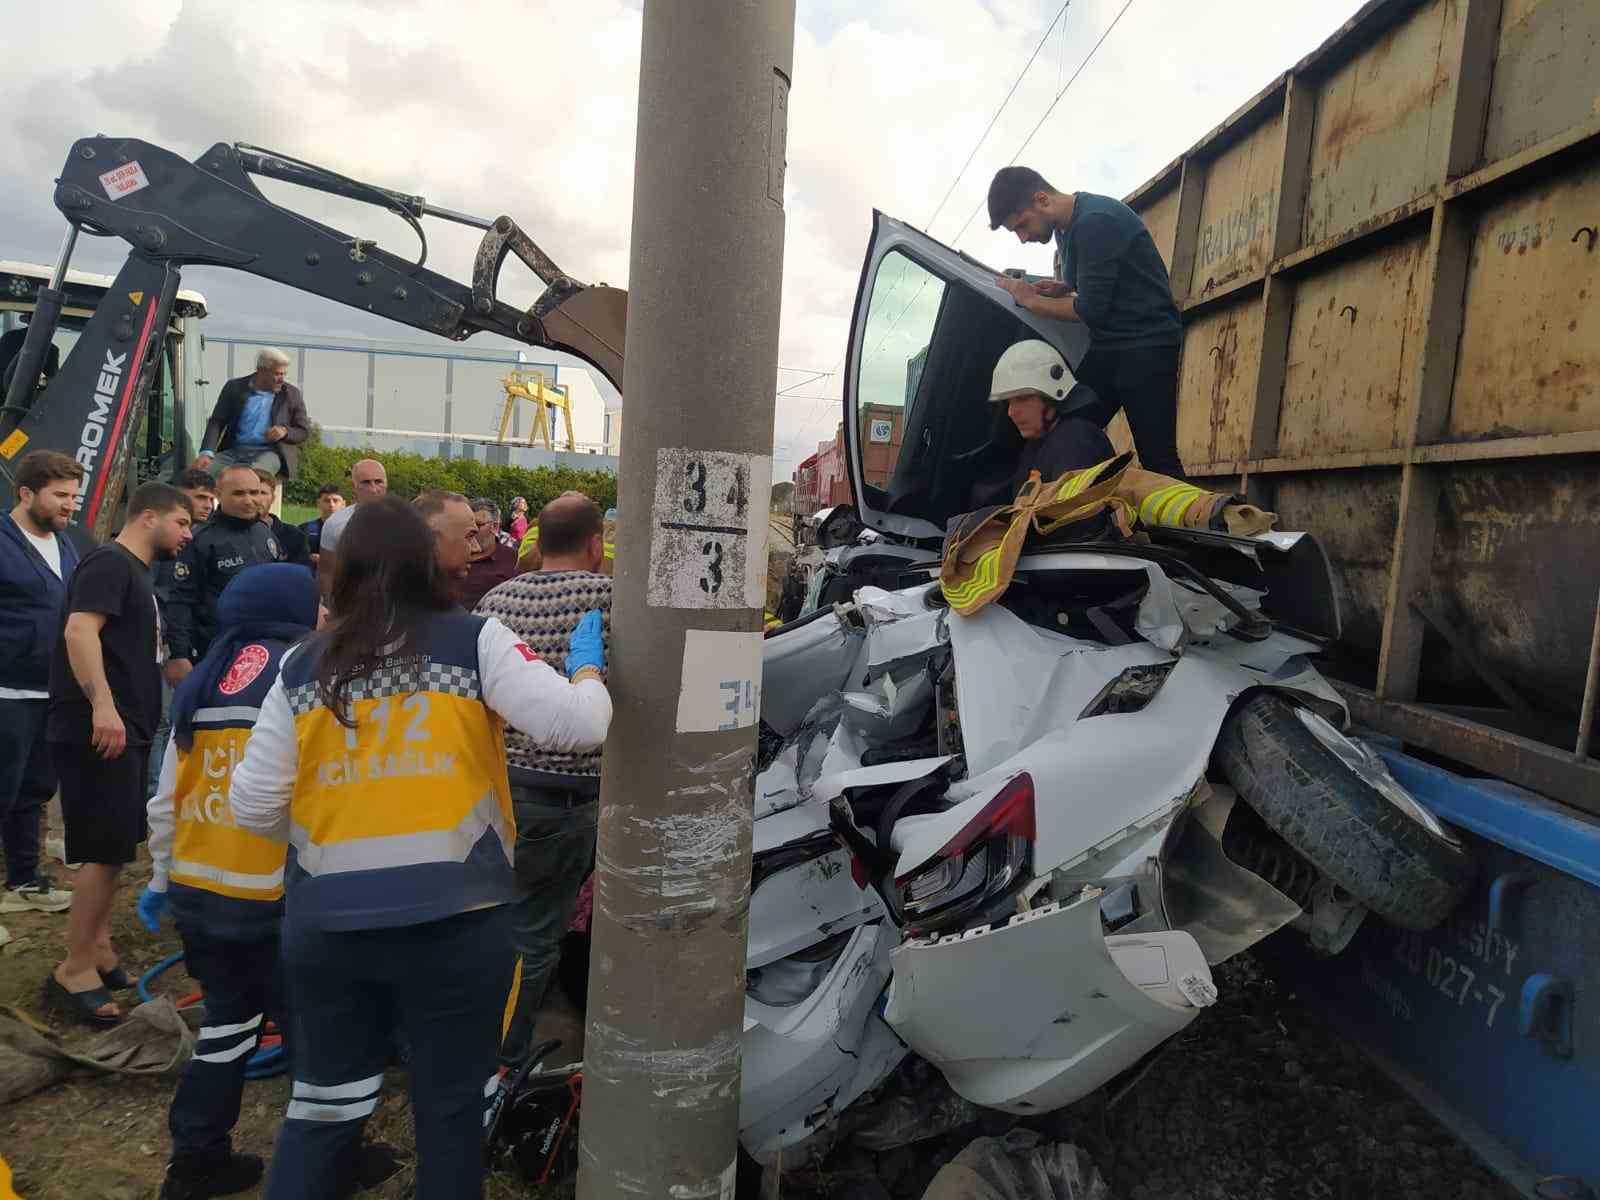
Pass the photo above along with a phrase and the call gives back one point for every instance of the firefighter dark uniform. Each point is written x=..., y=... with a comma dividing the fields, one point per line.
x=398, y=877
x=220, y=549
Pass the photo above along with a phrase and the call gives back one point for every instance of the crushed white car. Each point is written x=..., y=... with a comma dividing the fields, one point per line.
x=1015, y=843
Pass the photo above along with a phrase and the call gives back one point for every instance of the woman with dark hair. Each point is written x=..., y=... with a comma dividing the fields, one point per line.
x=378, y=756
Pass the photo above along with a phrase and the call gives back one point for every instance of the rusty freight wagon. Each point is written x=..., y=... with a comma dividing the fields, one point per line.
x=1388, y=265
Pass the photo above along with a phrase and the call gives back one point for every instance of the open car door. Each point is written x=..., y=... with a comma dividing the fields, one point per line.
x=929, y=325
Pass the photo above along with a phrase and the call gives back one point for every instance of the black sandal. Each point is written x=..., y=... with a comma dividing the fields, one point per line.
x=82, y=1006
x=116, y=979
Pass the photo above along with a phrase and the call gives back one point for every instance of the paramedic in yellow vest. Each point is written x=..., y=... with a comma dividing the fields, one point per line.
x=379, y=757
x=1040, y=395
x=222, y=884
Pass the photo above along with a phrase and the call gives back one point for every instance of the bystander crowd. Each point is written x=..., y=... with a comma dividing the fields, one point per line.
x=201, y=488
x=554, y=792
x=233, y=539
x=105, y=700
x=369, y=481
x=296, y=546
x=329, y=501
x=36, y=566
x=259, y=420
x=495, y=559
x=455, y=531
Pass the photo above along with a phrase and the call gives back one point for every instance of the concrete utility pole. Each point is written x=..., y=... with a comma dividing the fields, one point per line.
x=666, y=990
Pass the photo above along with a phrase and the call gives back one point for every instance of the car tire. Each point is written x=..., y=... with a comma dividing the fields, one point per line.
x=1362, y=841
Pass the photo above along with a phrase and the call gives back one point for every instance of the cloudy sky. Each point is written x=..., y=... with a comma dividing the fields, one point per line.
x=527, y=107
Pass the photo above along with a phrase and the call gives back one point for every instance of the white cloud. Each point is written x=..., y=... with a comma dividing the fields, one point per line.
x=527, y=108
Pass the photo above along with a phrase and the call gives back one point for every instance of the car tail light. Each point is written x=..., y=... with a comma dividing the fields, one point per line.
x=986, y=860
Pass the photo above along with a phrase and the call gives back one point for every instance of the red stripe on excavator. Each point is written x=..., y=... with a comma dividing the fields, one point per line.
x=92, y=511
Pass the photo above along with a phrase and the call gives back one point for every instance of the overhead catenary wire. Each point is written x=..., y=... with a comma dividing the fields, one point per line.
x=1093, y=50
x=1073, y=78
x=1015, y=83
x=989, y=128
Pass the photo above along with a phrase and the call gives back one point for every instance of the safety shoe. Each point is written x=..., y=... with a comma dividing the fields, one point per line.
x=201, y=1178
x=39, y=894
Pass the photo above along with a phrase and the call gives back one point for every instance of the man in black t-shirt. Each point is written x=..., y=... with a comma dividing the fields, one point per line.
x=105, y=702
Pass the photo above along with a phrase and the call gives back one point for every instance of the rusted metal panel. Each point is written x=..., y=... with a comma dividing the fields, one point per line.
x=1546, y=66
x=1354, y=341
x=1216, y=383
x=1354, y=515
x=1160, y=217
x=1237, y=211
x=1514, y=557
x=1382, y=121
x=1530, y=344
x=1437, y=170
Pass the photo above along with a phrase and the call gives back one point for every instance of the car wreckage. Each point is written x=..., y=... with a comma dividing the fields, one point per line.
x=1013, y=840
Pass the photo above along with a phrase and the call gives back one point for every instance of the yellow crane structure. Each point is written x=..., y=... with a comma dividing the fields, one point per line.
x=547, y=399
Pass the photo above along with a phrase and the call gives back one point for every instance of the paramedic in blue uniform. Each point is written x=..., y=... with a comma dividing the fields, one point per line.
x=222, y=884
x=379, y=756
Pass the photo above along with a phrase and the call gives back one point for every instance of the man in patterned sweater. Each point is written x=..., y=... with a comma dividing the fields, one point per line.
x=555, y=795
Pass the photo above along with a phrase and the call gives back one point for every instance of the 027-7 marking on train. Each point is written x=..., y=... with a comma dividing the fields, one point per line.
x=708, y=529
x=1452, y=976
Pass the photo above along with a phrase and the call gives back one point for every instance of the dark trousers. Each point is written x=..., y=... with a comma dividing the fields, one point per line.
x=1142, y=382
x=27, y=781
x=240, y=981
x=443, y=986
x=555, y=848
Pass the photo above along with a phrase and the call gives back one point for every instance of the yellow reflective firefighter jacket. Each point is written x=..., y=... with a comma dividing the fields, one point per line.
x=1109, y=499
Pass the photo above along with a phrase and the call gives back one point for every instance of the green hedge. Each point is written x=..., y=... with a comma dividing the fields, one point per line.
x=411, y=473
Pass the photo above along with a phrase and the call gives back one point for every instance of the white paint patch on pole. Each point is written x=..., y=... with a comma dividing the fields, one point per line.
x=708, y=529
x=721, y=687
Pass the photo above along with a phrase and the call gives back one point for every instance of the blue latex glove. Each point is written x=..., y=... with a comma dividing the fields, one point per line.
x=586, y=648
x=152, y=908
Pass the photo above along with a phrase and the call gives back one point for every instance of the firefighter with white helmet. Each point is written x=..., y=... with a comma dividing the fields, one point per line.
x=1041, y=396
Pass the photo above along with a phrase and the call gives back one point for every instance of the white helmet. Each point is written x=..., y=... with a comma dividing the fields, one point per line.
x=1031, y=366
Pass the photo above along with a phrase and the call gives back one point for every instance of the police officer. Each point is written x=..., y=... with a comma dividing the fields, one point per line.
x=232, y=540
x=223, y=884
x=379, y=756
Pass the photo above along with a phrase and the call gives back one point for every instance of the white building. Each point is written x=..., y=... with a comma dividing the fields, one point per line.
x=418, y=395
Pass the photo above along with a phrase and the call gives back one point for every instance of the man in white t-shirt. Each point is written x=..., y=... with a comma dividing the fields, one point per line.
x=36, y=561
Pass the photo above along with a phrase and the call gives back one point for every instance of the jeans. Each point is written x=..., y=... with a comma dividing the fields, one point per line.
x=158, y=742
x=1143, y=382
x=443, y=986
x=241, y=985
x=27, y=781
x=249, y=456
x=555, y=848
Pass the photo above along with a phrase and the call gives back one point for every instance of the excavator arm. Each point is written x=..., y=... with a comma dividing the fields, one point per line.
x=174, y=213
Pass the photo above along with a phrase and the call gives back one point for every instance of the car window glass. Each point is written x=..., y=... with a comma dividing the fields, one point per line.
x=894, y=348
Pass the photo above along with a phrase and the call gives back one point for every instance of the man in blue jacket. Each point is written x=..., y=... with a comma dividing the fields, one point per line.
x=36, y=562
